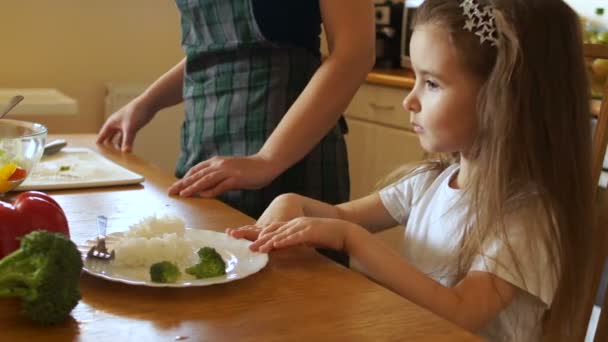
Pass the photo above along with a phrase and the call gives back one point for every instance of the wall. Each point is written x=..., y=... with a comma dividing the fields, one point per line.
x=76, y=46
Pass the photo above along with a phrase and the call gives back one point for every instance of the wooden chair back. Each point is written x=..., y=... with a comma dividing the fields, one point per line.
x=600, y=139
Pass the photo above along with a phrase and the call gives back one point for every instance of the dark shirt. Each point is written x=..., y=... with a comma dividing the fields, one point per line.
x=290, y=22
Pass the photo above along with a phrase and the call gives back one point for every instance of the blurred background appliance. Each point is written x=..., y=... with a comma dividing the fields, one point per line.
x=407, y=28
x=389, y=14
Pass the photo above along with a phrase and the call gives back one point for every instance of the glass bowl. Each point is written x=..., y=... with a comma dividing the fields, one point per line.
x=21, y=147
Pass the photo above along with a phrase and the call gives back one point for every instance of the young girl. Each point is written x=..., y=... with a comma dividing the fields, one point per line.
x=496, y=241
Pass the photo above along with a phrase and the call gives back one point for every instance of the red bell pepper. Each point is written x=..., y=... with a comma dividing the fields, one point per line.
x=31, y=210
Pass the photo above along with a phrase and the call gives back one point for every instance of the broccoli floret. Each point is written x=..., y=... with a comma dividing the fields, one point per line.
x=164, y=272
x=208, y=253
x=210, y=264
x=44, y=273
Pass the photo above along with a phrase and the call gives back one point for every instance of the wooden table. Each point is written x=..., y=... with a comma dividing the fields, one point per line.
x=299, y=295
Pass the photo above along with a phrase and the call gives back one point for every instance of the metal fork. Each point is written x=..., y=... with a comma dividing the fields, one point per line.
x=99, y=251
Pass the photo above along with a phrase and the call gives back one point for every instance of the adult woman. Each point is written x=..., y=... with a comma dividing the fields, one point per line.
x=263, y=115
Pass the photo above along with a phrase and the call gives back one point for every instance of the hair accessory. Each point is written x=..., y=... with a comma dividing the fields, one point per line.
x=481, y=22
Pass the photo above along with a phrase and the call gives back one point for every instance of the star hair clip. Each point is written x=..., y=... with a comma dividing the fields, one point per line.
x=482, y=22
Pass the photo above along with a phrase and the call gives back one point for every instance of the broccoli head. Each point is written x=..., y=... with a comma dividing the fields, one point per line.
x=208, y=253
x=210, y=264
x=44, y=273
x=164, y=272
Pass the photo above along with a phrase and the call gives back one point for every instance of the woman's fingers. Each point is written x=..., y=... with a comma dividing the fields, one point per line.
x=126, y=143
x=196, y=182
x=103, y=135
x=196, y=168
x=224, y=185
x=106, y=134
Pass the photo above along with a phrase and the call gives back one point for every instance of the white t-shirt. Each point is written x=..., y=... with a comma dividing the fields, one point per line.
x=435, y=220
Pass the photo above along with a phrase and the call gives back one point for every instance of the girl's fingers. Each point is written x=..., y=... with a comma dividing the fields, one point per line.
x=246, y=232
x=297, y=238
x=266, y=234
x=286, y=230
x=269, y=229
x=260, y=241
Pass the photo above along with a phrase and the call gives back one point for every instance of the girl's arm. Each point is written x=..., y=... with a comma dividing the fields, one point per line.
x=368, y=212
x=349, y=27
x=472, y=303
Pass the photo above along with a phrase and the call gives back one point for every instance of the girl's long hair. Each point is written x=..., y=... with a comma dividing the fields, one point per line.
x=534, y=143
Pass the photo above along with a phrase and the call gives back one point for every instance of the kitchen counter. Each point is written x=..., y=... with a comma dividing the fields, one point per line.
x=402, y=78
x=39, y=101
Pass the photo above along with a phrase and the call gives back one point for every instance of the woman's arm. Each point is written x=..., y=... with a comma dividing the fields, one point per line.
x=122, y=126
x=350, y=30
x=166, y=91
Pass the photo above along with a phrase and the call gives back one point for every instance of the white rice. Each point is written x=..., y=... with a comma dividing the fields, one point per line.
x=152, y=240
x=154, y=226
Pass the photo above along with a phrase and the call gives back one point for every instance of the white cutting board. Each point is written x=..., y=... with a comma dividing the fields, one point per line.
x=83, y=168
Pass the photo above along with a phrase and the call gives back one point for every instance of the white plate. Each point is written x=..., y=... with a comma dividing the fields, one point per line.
x=240, y=261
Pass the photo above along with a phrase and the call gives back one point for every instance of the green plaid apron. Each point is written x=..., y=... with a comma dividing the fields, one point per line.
x=237, y=87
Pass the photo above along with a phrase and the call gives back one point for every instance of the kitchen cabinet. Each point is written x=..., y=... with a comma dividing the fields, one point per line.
x=380, y=139
x=374, y=151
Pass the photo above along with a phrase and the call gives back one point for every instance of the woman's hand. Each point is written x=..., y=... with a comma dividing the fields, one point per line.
x=314, y=232
x=121, y=127
x=217, y=175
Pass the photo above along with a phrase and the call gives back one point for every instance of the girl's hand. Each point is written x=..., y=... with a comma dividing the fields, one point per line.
x=250, y=232
x=314, y=232
x=121, y=127
x=217, y=175
x=282, y=209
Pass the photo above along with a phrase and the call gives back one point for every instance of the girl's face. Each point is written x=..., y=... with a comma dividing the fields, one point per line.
x=442, y=104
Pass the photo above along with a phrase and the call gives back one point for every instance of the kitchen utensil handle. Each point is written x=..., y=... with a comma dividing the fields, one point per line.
x=102, y=224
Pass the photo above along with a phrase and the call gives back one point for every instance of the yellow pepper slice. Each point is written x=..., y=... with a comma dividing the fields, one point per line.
x=6, y=172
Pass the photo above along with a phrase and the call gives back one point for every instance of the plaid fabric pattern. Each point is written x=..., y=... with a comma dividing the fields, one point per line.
x=237, y=87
